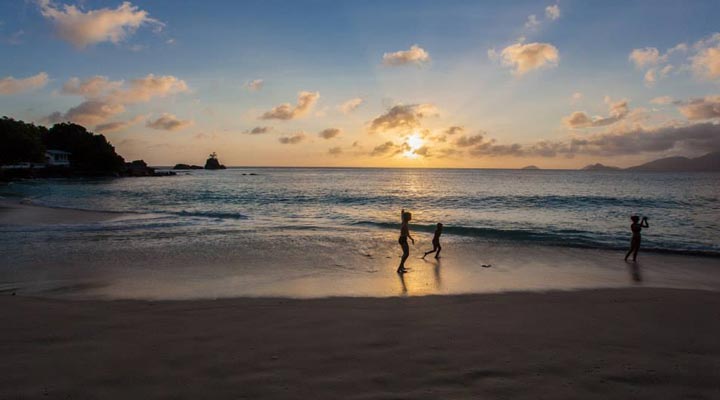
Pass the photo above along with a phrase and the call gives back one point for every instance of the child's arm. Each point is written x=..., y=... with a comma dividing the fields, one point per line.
x=644, y=223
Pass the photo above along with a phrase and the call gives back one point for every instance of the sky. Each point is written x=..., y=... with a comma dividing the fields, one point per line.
x=556, y=84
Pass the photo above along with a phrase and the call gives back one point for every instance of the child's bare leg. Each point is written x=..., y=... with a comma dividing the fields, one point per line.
x=628, y=253
x=437, y=254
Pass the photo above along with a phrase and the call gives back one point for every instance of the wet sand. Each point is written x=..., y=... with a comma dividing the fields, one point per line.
x=635, y=343
x=48, y=256
x=17, y=213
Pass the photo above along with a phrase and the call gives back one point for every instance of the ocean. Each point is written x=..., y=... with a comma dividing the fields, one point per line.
x=247, y=224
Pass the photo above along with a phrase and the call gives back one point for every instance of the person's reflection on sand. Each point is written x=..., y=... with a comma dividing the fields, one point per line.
x=635, y=273
x=436, y=272
x=402, y=283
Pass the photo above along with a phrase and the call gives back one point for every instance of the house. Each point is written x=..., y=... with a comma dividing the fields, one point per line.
x=57, y=158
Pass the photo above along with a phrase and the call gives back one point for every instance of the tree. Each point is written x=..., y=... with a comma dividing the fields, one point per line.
x=89, y=152
x=20, y=142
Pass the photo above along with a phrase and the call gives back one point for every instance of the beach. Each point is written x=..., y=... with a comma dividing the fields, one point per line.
x=151, y=289
x=101, y=255
x=593, y=344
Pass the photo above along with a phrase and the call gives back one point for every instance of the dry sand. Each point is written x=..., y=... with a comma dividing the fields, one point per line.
x=597, y=344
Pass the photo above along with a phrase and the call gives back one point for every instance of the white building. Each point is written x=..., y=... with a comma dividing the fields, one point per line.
x=57, y=158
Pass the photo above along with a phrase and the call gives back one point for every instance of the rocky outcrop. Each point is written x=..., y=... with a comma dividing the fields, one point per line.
x=140, y=168
x=213, y=162
x=186, y=166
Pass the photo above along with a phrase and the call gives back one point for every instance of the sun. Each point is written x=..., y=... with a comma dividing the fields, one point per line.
x=415, y=142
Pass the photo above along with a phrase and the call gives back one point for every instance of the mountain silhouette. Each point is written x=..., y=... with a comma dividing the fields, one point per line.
x=707, y=163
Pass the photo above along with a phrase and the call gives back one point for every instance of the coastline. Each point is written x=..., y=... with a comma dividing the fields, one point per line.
x=210, y=262
x=593, y=344
x=20, y=213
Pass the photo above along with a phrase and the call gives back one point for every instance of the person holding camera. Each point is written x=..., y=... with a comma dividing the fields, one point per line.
x=636, y=227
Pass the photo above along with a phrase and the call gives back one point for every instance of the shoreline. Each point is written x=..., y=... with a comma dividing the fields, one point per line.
x=206, y=264
x=23, y=213
x=593, y=344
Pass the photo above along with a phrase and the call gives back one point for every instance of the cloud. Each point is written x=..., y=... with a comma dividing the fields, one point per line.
x=701, y=137
x=255, y=84
x=96, y=26
x=13, y=39
x=144, y=89
x=286, y=111
x=105, y=98
x=655, y=74
x=524, y=58
x=118, y=125
x=90, y=87
x=389, y=149
x=402, y=118
x=294, y=139
x=661, y=100
x=335, y=151
x=91, y=112
x=702, y=108
x=646, y=57
x=576, y=97
x=415, y=55
x=10, y=85
x=350, y=105
x=494, y=150
x=552, y=12
x=706, y=63
x=453, y=130
x=168, y=122
x=448, y=152
x=329, y=133
x=467, y=141
x=423, y=151
x=703, y=59
x=139, y=90
x=532, y=22
x=258, y=130
x=578, y=119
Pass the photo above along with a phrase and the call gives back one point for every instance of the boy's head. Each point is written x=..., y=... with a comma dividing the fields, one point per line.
x=407, y=216
x=439, y=225
x=635, y=218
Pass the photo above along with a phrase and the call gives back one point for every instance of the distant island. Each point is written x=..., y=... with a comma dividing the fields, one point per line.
x=708, y=163
x=599, y=167
x=530, y=167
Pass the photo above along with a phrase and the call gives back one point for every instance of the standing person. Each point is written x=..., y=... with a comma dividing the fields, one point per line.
x=404, y=235
x=636, y=227
x=436, y=242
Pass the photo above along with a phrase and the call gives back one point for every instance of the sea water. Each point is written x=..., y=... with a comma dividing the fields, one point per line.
x=244, y=225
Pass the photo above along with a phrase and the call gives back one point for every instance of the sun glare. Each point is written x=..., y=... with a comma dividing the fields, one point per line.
x=415, y=142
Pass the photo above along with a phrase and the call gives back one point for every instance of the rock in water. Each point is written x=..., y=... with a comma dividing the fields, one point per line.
x=213, y=162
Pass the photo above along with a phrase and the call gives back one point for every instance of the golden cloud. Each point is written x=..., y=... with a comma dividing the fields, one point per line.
x=286, y=111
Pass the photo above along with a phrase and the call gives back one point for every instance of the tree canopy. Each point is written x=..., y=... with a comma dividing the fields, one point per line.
x=91, y=153
x=20, y=142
